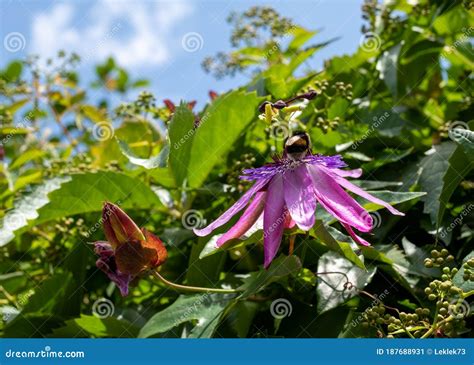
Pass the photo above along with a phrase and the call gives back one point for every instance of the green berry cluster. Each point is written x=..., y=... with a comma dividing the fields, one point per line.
x=69, y=224
x=446, y=318
x=344, y=90
x=245, y=161
x=80, y=163
x=468, y=270
x=438, y=258
x=327, y=125
x=145, y=104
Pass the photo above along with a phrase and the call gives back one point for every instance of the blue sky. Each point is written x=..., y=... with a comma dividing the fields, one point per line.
x=147, y=36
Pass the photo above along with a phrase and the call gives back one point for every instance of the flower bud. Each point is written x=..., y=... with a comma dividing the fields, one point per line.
x=119, y=228
x=129, y=250
x=135, y=257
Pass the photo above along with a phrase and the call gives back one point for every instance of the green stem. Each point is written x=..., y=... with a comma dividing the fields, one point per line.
x=434, y=326
x=467, y=294
x=192, y=289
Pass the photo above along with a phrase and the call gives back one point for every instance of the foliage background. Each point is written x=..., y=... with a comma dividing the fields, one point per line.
x=400, y=108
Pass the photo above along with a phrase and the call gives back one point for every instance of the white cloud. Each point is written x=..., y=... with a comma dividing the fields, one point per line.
x=136, y=33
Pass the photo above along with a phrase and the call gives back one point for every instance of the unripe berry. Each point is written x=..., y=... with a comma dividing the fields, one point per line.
x=434, y=253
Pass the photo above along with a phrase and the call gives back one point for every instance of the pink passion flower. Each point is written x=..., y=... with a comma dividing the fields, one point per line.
x=286, y=192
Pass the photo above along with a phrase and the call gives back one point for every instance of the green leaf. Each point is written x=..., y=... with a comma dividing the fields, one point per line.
x=160, y=160
x=222, y=123
x=94, y=114
x=464, y=138
x=13, y=71
x=91, y=326
x=300, y=37
x=205, y=308
x=181, y=134
x=388, y=67
x=33, y=325
x=342, y=248
x=75, y=194
x=391, y=197
x=25, y=157
x=52, y=296
x=338, y=108
x=441, y=172
x=205, y=271
x=334, y=271
x=280, y=268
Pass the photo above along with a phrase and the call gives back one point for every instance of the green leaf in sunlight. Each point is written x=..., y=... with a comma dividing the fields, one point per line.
x=222, y=123
x=464, y=138
x=160, y=160
x=91, y=326
x=342, y=248
x=75, y=194
x=334, y=272
x=181, y=133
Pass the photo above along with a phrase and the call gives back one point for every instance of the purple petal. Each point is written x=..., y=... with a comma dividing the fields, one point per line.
x=299, y=196
x=106, y=263
x=348, y=173
x=246, y=221
x=356, y=190
x=337, y=202
x=237, y=207
x=355, y=237
x=274, y=217
x=332, y=162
